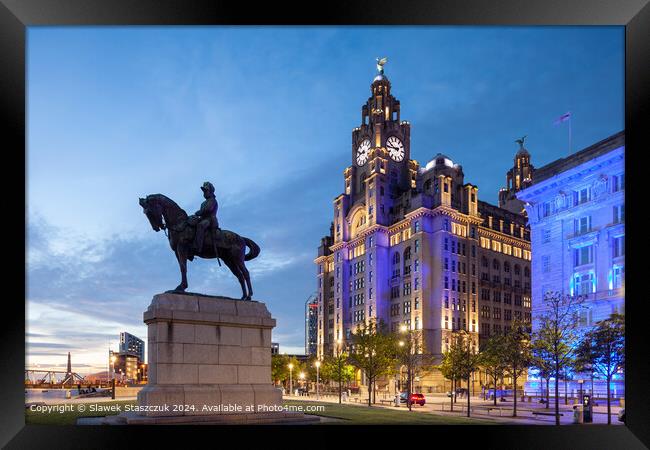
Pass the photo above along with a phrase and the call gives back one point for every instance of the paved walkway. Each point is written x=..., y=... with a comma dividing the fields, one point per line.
x=440, y=405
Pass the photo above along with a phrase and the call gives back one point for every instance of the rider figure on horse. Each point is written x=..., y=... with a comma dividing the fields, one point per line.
x=207, y=216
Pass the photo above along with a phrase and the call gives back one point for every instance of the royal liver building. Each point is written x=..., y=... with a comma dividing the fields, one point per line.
x=412, y=245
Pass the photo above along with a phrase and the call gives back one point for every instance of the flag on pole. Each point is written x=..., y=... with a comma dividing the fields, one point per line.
x=562, y=118
x=566, y=117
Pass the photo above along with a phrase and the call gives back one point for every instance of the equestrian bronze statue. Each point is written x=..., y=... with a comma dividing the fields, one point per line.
x=164, y=214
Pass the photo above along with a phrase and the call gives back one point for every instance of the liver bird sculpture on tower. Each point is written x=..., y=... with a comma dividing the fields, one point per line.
x=520, y=141
x=380, y=64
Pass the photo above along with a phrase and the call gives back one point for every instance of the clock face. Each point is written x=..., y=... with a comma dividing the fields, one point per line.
x=395, y=148
x=362, y=152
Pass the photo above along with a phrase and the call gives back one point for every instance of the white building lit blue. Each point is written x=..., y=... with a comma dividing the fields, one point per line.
x=576, y=212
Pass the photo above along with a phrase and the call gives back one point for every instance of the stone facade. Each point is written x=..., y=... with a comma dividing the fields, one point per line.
x=207, y=351
x=407, y=242
x=576, y=210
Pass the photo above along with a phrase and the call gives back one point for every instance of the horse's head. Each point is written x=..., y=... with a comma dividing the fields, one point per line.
x=153, y=210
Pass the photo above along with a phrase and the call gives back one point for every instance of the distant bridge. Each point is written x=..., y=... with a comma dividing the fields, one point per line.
x=52, y=378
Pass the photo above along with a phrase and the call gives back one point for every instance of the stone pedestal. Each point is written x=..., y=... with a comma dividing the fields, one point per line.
x=209, y=362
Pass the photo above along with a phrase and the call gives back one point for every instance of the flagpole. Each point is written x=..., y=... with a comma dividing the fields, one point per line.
x=570, y=132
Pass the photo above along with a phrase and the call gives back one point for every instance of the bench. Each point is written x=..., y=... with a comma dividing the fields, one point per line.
x=386, y=401
x=540, y=413
x=494, y=407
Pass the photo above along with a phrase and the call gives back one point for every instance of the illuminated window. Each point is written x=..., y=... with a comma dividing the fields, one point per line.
x=496, y=246
x=584, y=284
x=618, y=276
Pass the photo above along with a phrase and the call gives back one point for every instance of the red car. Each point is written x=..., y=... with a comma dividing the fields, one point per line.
x=416, y=399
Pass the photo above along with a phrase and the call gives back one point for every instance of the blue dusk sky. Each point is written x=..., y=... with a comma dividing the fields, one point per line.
x=266, y=114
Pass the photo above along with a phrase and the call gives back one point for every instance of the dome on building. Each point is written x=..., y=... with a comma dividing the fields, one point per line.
x=380, y=77
x=522, y=152
x=440, y=160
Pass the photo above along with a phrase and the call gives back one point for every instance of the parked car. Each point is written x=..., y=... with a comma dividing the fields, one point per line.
x=621, y=415
x=416, y=398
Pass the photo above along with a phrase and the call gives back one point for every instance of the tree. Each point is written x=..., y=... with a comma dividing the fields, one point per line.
x=542, y=360
x=280, y=371
x=373, y=351
x=409, y=354
x=450, y=367
x=279, y=368
x=558, y=330
x=460, y=361
x=604, y=347
x=517, y=354
x=329, y=370
x=492, y=360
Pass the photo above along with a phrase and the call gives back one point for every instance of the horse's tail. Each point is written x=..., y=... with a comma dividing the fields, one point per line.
x=255, y=249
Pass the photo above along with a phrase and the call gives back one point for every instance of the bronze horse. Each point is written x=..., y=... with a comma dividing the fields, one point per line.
x=163, y=213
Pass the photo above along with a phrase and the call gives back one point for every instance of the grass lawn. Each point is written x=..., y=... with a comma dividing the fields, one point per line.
x=348, y=415
x=70, y=417
x=363, y=415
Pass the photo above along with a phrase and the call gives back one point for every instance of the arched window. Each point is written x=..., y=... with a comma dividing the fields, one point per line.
x=495, y=264
x=526, y=272
x=506, y=266
x=396, y=258
x=517, y=269
x=484, y=261
x=407, y=260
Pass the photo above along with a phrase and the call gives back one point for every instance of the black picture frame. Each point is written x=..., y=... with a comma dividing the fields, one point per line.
x=16, y=15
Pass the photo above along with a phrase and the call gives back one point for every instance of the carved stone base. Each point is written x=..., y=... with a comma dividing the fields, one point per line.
x=208, y=357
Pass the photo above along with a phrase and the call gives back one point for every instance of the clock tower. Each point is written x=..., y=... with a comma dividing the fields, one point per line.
x=381, y=151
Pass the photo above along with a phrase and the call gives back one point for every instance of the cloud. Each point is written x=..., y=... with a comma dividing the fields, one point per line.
x=85, y=290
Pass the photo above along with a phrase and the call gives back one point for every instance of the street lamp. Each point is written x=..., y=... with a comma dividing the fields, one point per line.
x=113, y=359
x=302, y=379
x=338, y=351
x=317, y=364
x=290, y=378
x=580, y=384
x=409, y=363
